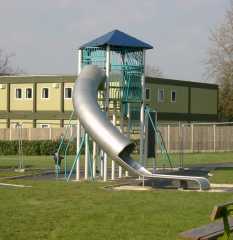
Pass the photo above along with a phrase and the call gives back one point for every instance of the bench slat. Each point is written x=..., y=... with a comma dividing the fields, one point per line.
x=208, y=231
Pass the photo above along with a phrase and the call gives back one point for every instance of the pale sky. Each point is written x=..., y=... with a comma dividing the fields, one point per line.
x=44, y=35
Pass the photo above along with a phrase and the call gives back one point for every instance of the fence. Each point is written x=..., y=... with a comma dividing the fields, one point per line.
x=37, y=133
x=196, y=137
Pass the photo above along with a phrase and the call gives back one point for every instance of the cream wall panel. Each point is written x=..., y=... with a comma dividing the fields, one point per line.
x=72, y=122
x=22, y=104
x=53, y=101
x=68, y=105
x=51, y=123
x=3, y=98
x=3, y=123
x=24, y=123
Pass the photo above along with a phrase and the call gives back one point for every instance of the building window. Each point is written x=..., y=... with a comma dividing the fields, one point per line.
x=45, y=93
x=68, y=93
x=44, y=125
x=28, y=93
x=161, y=95
x=173, y=96
x=147, y=93
x=18, y=93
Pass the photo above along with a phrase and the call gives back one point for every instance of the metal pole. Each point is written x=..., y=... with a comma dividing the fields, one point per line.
x=143, y=181
x=146, y=138
x=101, y=163
x=20, y=147
x=129, y=127
x=155, y=158
x=78, y=123
x=122, y=131
x=142, y=114
x=94, y=160
x=120, y=172
x=86, y=157
x=105, y=167
x=77, y=150
x=183, y=137
x=107, y=102
x=79, y=61
x=113, y=162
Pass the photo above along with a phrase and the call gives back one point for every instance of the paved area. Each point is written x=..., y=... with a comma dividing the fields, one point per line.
x=211, y=166
x=132, y=183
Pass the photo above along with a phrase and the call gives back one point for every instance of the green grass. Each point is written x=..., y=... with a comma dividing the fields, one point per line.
x=46, y=162
x=199, y=158
x=56, y=210
x=222, y=176
x=190, y=159
x=59, y=210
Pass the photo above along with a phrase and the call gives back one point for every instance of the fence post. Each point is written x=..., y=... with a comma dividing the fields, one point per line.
x=168, y=138
x=29, y=134
x=50, y=133
x=192, y=137
x=71, y=130
x=214, y=133
x=10, y=137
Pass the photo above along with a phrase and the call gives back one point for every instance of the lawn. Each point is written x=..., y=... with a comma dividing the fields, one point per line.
x=47, y=162
x=85, y=210
x=42, y=162
x=56, y=210
x=193, y=158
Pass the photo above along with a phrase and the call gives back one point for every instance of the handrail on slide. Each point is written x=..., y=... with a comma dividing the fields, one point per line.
x=107, y=136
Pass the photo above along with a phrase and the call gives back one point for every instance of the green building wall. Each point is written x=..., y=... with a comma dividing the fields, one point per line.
x=194, y=101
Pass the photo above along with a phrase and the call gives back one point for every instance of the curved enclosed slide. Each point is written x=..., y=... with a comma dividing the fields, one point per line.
x=105, y=134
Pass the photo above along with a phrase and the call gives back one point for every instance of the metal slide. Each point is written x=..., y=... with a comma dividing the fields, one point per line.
x=107, y=136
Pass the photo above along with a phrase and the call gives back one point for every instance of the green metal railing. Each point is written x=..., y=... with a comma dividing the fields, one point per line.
x=159, y=138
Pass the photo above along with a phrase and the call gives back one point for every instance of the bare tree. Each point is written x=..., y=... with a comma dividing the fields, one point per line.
x=220, y=63
x=5, y=66
x=153, y=71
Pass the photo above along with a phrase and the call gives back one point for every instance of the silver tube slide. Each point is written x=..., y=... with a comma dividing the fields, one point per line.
x=102, y=131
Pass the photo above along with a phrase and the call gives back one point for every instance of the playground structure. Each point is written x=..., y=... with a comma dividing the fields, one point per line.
x=116, y=76
x=111, y=70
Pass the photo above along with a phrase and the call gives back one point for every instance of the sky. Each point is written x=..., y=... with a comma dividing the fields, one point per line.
x=44, y=35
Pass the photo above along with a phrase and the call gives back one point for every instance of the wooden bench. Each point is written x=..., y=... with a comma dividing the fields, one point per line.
x=219, y=229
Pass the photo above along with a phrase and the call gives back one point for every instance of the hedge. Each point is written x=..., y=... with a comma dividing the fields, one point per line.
x=42, y=147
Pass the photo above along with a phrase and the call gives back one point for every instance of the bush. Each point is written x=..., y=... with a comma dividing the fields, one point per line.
x=8, y=147
x=42, y=147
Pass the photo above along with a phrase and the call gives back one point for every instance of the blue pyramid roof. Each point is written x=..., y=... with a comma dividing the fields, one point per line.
x=118, y=39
